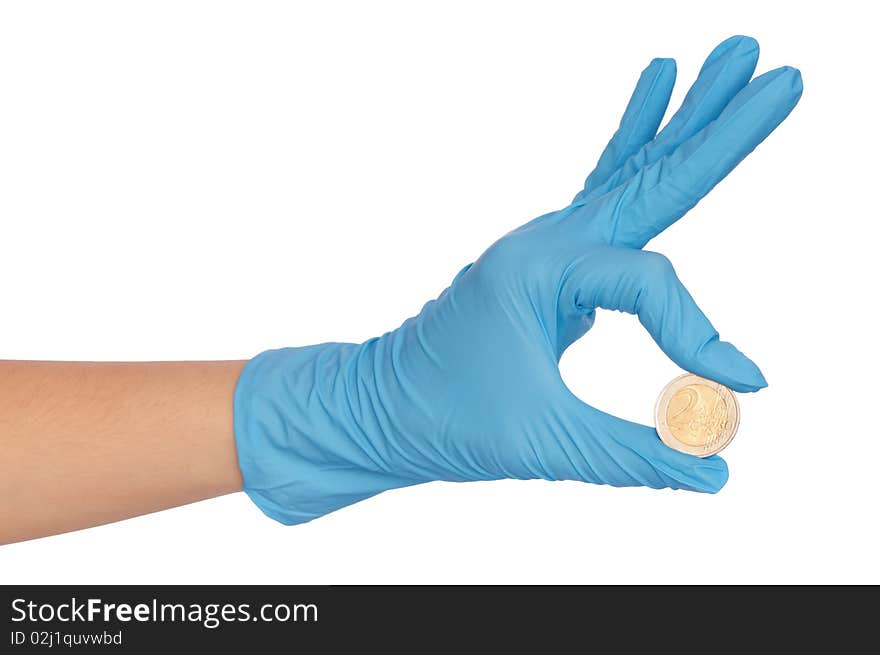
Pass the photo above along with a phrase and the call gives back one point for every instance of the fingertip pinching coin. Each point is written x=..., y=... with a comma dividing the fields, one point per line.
x=696, y=416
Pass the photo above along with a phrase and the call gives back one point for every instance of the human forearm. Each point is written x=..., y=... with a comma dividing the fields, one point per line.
x=87, y=443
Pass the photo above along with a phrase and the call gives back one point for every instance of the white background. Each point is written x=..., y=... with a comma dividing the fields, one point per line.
x=186, y=180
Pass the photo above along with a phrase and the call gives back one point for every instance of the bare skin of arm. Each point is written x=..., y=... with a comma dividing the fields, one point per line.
x=87, y=443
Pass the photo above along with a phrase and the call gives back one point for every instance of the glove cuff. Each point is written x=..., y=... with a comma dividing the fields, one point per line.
x=300, y=451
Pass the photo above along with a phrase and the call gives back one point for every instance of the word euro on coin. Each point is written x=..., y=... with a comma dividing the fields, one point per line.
x=696, y=416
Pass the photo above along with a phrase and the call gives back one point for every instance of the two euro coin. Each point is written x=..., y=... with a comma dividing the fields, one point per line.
x=696, y=416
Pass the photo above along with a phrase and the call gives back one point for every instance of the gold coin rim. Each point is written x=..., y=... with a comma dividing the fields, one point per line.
x=662, y=405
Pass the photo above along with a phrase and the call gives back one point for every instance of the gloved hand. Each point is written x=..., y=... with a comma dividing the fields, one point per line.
x=470, y=388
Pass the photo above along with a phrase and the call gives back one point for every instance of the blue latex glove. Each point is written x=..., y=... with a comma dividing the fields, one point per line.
x=470, y=388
